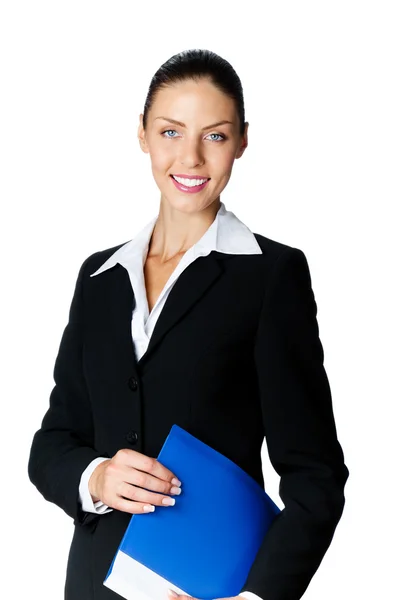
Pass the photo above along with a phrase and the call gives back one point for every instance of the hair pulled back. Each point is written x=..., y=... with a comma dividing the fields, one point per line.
x=197, y=64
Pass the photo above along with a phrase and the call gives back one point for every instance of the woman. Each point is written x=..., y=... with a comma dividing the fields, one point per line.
x=199, y=322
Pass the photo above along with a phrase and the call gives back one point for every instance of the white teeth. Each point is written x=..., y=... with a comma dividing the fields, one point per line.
x=189, y=182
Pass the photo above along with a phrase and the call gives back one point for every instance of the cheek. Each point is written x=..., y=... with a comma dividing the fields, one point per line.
x=222, y=156
x=222, y=164
x=161, y=159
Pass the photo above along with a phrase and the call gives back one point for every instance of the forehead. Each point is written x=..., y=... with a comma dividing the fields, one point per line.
x=194, y=101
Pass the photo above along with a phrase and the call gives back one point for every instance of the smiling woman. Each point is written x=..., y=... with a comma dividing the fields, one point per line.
x=196, y=321
x=196, y=156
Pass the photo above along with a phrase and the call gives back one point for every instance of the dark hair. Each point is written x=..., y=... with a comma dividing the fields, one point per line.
x=198, y=64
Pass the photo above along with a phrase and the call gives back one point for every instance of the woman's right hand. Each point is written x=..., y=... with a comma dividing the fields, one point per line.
x=119, y=482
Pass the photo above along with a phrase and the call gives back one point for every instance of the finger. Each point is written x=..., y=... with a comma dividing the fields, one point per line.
x=148, y=482
x=134, y=508
x=137, y=494
x=148, y=464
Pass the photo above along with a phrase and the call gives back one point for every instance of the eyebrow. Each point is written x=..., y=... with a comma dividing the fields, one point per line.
x=202, y=129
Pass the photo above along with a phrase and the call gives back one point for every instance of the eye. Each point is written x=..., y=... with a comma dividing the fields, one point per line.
x=220, y=135
x=167, y=131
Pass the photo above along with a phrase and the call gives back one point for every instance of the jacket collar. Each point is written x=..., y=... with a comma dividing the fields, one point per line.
x=227, y=234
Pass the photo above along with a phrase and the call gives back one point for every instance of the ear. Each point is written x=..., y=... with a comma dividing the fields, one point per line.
x=142, y=135
x=243, y=142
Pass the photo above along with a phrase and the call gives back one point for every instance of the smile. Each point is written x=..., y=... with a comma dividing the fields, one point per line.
x=189, y=185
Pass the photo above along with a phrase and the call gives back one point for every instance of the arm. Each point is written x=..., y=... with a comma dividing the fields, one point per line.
x=63, y=446
x=300, y=434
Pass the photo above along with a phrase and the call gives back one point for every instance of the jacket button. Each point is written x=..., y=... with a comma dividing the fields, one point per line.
x=133, y=384
x=131, y=437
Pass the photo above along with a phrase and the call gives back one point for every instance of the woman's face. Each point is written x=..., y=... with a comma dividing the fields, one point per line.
x=195, y=146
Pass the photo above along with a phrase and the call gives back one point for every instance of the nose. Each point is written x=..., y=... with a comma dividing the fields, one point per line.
x=191, y=154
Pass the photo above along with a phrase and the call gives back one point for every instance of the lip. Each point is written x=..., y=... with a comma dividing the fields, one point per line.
x=190, y=176
x=189, y=190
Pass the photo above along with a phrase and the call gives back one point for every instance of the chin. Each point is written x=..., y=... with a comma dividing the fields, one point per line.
x=185, y=204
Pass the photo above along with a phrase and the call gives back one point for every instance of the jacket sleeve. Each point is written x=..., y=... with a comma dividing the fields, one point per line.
x=63, y=446
x=300, y=434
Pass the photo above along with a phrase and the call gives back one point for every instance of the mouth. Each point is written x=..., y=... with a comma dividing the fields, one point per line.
x=190, y=184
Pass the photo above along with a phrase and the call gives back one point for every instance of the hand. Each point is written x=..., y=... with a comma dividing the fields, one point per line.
x=119, y=482
x=174, y=596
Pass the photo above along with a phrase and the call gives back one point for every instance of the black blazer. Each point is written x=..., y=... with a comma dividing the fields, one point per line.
x=235, y=356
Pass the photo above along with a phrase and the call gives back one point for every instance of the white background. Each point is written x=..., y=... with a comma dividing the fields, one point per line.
x=321, y=173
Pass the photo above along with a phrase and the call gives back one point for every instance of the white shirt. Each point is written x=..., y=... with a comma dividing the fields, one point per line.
x=226, y=234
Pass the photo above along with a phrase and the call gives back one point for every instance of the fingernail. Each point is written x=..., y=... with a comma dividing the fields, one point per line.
x=176, y=481
x=168, y=501
x=172, y=593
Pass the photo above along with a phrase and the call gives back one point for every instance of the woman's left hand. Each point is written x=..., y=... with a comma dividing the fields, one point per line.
x=174, y=596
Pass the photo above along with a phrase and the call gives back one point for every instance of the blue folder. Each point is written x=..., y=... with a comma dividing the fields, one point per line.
x=205, y=545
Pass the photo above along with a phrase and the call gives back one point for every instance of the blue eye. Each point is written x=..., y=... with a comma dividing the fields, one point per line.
x=166, y=131
x=222, y=137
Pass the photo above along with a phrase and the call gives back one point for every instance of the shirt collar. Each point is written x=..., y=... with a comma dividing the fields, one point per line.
x=226, y=234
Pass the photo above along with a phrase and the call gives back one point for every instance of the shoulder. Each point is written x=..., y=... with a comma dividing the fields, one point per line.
x=274, y=252
x=270, y=246
x=287, y=267
x=94, y=261
x=283, y=264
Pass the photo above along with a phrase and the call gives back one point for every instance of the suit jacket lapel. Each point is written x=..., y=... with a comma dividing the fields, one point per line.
x=121, y=304
x=188, y=289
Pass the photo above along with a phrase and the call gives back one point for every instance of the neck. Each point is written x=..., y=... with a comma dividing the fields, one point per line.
x=176, y=231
